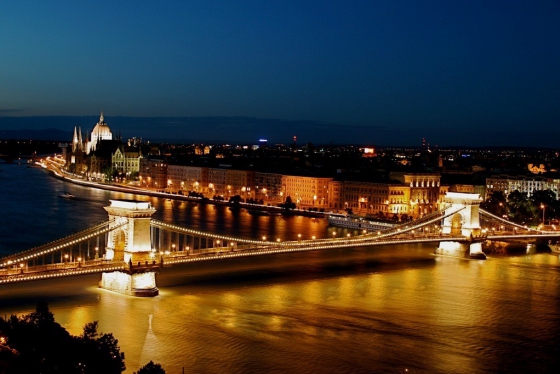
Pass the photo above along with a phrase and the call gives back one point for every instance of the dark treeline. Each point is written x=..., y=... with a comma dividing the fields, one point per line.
x=541, y=207
x=36, y=343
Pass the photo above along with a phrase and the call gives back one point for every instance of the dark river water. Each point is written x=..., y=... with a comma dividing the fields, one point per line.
x=369, y=310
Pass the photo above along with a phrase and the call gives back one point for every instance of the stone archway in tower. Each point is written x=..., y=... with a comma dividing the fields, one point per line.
x=456, y=224
x=119, y=243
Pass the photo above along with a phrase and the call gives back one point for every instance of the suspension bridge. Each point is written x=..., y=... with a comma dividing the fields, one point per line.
x=130, y=247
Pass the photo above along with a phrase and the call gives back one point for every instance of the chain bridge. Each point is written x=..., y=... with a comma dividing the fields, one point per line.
x=130, y=247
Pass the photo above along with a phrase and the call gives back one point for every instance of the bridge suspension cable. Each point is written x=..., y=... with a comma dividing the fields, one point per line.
x=423, y=222
x=359, y=240
x=504, y=221
x=184, y=230
x=62, y=243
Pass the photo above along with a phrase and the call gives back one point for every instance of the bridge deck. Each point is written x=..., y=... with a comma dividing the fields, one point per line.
x=16, y=268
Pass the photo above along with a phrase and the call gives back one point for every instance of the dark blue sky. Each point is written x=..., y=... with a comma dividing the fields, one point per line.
x=447, y=69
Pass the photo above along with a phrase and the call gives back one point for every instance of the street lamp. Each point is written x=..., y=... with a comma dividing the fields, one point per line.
x=543, y=207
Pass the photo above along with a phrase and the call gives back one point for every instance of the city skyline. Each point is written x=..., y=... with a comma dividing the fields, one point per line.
x=384, y=73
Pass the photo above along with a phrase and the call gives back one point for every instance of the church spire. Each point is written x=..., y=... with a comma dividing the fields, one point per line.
x=80, y=142
x=101, y=119
x=75, y=139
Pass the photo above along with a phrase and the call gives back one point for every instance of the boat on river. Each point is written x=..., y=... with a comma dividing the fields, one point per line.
x=344, y=220
x=258, y=212
x=67, y=195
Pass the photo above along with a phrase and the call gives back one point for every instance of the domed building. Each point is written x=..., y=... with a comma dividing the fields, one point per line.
x=101, y=131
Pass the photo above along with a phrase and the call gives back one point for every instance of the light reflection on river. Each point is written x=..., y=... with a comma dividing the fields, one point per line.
x=379, y=309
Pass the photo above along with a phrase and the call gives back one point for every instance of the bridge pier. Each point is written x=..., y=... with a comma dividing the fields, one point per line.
x=464, y=222
x=131, y=244
x=462, y=250
x=140, y=284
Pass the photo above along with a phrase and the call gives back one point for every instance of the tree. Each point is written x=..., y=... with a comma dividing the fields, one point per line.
x=520, y=209
x=35, y=343
x=288, y=204
x=151, y=368
x=103, y=353
x=236, y=199
x=38, y=343
x=495, y=204
x=545, y=202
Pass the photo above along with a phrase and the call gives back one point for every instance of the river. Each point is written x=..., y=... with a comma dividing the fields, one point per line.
x=370, y=310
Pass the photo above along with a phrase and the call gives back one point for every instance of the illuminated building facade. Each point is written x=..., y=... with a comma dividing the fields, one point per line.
x=399, y=200
x=76, y=156
x=100, y=132
x=153, y=173
x=526, y=185
x=377, y=199
x=187, y=178
x=79, y=156
x=268, y=186
x=334, y=193
x=240, y=182
x=424, y=191
x=126, y=161
x=306, y=191
x=217, y=181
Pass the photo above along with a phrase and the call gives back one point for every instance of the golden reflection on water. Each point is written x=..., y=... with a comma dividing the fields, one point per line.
x=344, y=292
x=446, y=315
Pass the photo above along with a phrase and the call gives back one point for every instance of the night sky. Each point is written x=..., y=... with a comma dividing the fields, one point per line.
x=380, y=72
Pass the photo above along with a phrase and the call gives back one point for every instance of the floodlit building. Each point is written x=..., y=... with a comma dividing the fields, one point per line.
x=126, y=160
x=240, y=182
x=424, y=191
x=153, y=173
x=334, y=193
x=101, y=131
x=216, y=181
x=524, y=184
x=187, y=178
x=307, y=191
x=268, y=186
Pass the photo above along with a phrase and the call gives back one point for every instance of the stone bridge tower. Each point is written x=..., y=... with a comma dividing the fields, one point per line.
x=464, y=222
x=130, y=243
